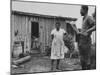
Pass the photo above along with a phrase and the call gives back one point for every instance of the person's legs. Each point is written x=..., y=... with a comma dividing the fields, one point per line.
x=58, y=61
x=82, y=57
x=84, y=45
x=93, y=58
x=88, y=63
x=52, y=64
x=83, y=62
x=93, y=62
x=85, y=57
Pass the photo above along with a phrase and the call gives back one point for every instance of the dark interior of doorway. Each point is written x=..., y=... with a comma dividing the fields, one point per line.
x=35, y=29
x=34, y=32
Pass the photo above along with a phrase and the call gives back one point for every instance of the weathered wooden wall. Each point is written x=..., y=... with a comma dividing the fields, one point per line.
x=23, y=25
x=20, y=23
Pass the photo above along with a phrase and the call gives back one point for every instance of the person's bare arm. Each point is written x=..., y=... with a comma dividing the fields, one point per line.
x=74, y=28
x=65, y=34
x=91, y=29
x=52, y=36
x=92, y=23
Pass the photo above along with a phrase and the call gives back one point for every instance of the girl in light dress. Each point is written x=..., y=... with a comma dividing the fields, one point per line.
x=57, y=48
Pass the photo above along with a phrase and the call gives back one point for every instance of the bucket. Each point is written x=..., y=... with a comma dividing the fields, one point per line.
x=17, y=50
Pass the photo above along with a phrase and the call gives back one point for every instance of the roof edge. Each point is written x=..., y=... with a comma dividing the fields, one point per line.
x=42, y=15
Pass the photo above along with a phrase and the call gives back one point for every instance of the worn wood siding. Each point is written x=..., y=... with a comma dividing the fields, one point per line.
x=23, y=25
x=48, y=26
x=20, y=23
x=12, y=31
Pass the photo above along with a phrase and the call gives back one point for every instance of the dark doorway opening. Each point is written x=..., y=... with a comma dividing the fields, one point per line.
x=35, y=29
x=34, y=34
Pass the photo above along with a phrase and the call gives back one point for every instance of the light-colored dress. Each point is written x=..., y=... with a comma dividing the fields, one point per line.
x=57, y=49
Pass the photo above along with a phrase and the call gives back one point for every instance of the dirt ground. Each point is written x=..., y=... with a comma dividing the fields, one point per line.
x=43, y=64
x=40, y=63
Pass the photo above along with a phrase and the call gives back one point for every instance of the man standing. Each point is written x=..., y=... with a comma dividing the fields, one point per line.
x=83, y=38
x=84, y=41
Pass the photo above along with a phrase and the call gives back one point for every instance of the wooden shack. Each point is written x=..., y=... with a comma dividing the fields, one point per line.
x=25, y=25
